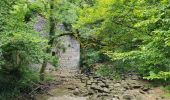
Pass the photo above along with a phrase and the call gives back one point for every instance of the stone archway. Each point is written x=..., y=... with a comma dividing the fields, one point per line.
x=69, y=58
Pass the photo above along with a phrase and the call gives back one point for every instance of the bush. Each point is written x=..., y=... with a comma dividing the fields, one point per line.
x=151, y=60
x=17, y=82
x=88, y=59
x=20, y=46
x=105, y=70
x=161, y=76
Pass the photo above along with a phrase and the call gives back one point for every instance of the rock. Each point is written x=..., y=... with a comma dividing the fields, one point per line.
x=95, y=81
x=141, y=91
x=128, y=97
x=76, y=91
x=106, y=90
x=83, y=79
x=122, y=89
x=117, y=85
x=141, y=97
x=134, y=77
x=71, y=87
x=150, y=91
x=88, y=93
x=145, y=88
x=126, y=86
x=89, y=82
x=111, y=87
x=103, y=94
x=96, y=77
x=101, y=84
x=94, y=87
x=104, y=81
x=115, y=97
x=99, y=79
x=133, y=84
x=100, y=89
x=136, y=86
x=108, y=81
x=93, y=97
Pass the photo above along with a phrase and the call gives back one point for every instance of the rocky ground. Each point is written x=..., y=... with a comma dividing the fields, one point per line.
x=73, y=86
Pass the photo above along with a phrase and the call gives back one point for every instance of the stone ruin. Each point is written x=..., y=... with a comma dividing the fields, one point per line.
x=69, y=55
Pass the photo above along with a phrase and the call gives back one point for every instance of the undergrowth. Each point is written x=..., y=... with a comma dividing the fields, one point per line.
x=15, y=84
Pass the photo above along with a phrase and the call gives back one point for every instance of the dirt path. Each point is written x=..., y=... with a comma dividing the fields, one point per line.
x=80, y=87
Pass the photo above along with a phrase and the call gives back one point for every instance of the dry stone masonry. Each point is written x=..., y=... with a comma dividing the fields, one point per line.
x=69, y=55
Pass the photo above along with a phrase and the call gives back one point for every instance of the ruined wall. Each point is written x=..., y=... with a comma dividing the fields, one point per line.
x=69, y=58
x=69, y=54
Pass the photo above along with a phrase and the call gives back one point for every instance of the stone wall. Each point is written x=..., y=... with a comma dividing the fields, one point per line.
x=69, y=57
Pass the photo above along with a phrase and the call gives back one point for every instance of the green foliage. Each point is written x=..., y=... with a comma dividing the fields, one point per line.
x=164, y=76
x=167, y=89
x=88, y=58
x=67, y=12
x=114, y=70
x=20, y=47
x=133, y=33
x=106, y=71
x=12, y=86
x=153, y=54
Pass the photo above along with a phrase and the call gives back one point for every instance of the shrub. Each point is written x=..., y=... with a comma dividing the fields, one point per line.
x=16, y=83
x=88, y=59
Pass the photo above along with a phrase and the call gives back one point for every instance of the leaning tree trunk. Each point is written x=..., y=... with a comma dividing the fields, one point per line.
x=51, y=39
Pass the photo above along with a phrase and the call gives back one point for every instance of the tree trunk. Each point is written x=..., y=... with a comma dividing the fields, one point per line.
x=42, y=70
x=51, y=40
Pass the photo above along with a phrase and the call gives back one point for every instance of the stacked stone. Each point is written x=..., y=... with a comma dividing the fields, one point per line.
x=100, y=88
